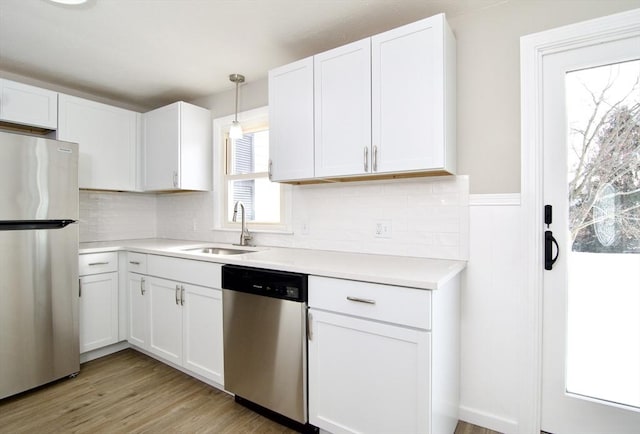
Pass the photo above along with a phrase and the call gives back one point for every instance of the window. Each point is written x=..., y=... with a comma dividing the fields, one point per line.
x=244, y=176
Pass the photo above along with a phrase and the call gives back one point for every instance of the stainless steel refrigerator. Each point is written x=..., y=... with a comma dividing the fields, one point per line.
x=38, y=261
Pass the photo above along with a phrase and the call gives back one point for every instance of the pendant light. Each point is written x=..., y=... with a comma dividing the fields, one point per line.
x=235, y=131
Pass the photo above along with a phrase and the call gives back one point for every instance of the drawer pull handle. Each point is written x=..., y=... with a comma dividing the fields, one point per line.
x=91, y=264
x=361, y=300
x=134, y=262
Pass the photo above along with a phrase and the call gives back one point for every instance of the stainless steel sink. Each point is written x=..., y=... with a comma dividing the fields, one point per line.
x=218, y=251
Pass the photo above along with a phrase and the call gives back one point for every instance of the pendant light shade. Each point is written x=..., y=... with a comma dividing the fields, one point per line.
x=235, y=131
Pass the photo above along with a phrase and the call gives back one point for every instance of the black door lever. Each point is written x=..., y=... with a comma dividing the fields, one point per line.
x=549, y=259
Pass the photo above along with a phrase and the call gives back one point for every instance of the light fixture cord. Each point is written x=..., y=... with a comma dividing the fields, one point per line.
x=237, y=83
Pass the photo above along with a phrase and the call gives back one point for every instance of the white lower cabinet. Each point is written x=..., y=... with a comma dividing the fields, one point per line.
x=165, y=319
x=382, y=359
x=138, y=310
x=366, y=376
x=98, y=307
x=98, y=311
x=176, y=320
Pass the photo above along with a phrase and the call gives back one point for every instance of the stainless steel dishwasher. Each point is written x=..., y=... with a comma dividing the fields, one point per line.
x=265, y=342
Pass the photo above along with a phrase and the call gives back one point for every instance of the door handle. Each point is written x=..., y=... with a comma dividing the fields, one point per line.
x=309, y=321
x=177, y=294
x=549, y=259
x=181, y=295
x=142, y=291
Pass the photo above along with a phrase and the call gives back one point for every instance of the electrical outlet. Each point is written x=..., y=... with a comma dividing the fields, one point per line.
x=383, y=229
x=304, y=230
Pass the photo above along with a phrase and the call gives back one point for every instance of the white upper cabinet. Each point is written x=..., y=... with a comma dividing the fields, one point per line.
x=382, y=106
x=413, y=75
x=28, y=105
x=177, y=148
x=291, y=121
x=109, y=141
x=342, y=85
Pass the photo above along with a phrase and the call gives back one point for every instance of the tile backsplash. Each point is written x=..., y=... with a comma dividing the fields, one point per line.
x=106, y=216
x=428, y=217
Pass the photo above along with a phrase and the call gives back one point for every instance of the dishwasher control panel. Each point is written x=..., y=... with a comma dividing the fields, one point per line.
x=269, y=283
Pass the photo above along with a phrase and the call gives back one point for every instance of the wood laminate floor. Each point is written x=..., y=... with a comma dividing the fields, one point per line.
x=130, y=392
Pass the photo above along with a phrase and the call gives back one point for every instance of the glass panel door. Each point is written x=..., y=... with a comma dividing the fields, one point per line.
x=603, y=255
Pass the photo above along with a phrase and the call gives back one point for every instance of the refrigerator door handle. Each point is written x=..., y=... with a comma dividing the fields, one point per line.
x=19, y=225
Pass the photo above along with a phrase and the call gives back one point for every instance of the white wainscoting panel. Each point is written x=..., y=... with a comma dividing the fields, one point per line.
x=489, y=311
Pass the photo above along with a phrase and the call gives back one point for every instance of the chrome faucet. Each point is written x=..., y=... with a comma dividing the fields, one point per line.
x=245, y=236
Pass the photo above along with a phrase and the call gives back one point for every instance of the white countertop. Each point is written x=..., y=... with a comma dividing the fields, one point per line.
x=406, y=271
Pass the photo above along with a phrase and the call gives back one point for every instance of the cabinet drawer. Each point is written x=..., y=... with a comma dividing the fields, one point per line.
x=201, y=273
x=95, y=263
x=137, y=262
x=392, y=304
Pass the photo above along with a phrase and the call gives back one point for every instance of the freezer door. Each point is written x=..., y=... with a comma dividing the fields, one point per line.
x=38, y=178
x=39, y=308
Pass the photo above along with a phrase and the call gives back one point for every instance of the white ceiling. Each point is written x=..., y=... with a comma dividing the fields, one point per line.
x=149, y=53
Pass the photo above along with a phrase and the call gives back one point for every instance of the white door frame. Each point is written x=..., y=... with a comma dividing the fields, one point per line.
x=533, y=49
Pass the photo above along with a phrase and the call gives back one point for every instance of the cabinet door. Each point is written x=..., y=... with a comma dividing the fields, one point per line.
x=98, y=311
x=291, y=121
x=407, y=91
x=108, y=141
x=196, y=148
x=138, y=310
x=202, y=332
x=342, y=86
x=366, y=376
x=28, y=105
x=165, y=319
x=162, y=148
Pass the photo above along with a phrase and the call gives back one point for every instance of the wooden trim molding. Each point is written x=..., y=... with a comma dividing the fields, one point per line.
x=533, y=50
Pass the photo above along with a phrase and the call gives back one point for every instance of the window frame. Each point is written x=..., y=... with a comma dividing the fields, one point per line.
x=251, y=120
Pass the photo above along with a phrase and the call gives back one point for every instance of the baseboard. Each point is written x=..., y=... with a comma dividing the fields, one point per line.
x=486, y=420
x=104, y=351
